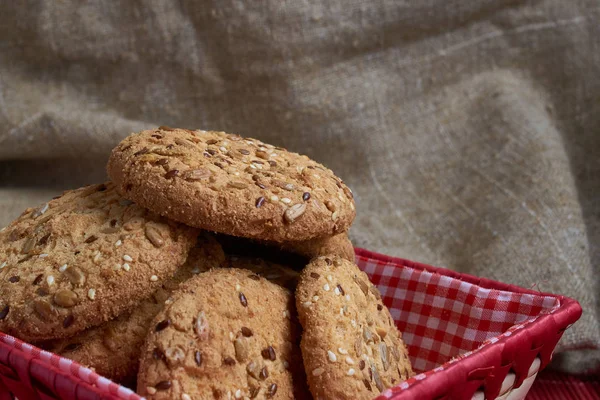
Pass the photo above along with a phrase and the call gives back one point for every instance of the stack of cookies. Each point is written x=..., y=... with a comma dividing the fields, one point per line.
x=210, y=266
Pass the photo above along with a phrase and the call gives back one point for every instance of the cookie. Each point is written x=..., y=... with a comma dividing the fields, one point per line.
x=338, y=245
x=229, y=184
x=113, y=349
x=82, y=259
x=227, y=334
x=350, y=345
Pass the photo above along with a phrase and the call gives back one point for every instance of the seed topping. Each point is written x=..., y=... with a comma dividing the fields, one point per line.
x=243, y=299
x=294, y=212
x=162, y=325
x=268, y=353
x=331, y=355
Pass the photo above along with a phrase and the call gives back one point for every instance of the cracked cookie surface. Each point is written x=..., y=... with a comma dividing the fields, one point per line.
x=350, y=345
x=81, y=259
x=225, y=183
x=227, y=333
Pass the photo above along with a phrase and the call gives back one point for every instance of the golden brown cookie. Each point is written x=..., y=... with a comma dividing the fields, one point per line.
x=350, y=345
x=82, y=259
x=227, y=333
x=339, y=245
x=225, y=183
x=113, y=349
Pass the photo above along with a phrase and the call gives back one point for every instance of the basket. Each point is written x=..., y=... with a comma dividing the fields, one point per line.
x=468, y=337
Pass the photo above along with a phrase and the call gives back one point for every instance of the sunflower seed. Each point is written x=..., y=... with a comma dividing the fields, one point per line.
x=241, y=349
x=154, y=236
x=197, y=174
x=75, y=276
x=65, y=298
x=39, y=211
x=44, y=310
x=237, y=185
x=294, y=212
x=201, y=326
x=383, y=353
x=28, y=245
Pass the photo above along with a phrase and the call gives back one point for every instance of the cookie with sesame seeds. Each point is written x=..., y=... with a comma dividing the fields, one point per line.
x=225, y=183
x=81, y=259
x=113, y=349
x=350, y=344
x=227, y=333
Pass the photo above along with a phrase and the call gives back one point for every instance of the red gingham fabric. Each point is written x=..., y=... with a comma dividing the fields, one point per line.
x=443, y=319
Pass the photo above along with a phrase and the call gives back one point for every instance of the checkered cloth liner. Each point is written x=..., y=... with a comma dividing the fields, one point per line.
x=443, y=319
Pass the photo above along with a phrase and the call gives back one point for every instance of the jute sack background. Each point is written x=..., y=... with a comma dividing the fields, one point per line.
x=468, y=130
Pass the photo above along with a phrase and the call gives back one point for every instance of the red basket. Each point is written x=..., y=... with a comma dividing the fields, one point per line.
x=464, y=334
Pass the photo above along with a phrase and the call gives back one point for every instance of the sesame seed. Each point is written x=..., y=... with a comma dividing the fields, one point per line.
x=342, y=311
x=154, y=278
x=347, y=297
x=50, y=280
x=150, y=390
x=223, y=149
x=126, y=267
x=286, y=200
x=349, y=360
x=274, y=198
x=315, y=298
x=329, y=278
x=350, y=372
x=91, y=294
x=336, y=291
x=326, y=287
x=238, y=394
x=317, y=371
x=237, y=287
x=185, y=396
x=62, y=268
x=353, y=323
x=96, y=256
x=252, y=166
x=3, y=265
x=331, y=355
x=341, y=350
x=286, y=314
x=307, y=304
x=127, y=258
x=43, y=255
x=118, y=243
x=116, y=267
x=231, y=337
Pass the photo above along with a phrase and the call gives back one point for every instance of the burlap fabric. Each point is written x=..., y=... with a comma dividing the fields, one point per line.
x=468, y=130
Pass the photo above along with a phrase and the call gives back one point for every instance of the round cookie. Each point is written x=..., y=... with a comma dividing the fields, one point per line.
x=350, y=345
x=229, y=184
x=82, y=259
x=339, y=245
x=113, y=349
x=227, y=333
